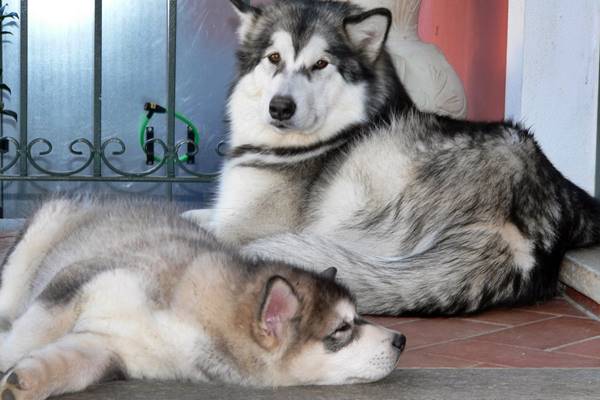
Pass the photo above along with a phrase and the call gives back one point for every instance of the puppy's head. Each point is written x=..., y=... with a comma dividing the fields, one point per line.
x=309, y=327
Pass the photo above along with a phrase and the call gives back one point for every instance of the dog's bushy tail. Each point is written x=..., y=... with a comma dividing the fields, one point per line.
x=585, y=217
x=437, y=282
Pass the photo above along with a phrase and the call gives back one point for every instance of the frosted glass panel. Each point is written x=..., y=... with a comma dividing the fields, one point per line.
x=61, y=53
x=206, y=42
x=134, y=71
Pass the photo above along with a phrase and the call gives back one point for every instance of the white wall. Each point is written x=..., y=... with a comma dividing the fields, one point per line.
x=552, y=79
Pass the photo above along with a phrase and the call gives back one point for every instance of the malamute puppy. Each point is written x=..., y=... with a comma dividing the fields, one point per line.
x=94, y=290
x=332, y=166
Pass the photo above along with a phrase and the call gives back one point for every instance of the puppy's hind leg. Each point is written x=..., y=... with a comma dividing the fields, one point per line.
x=39, y=325
x=48, y=226
x=70, y=364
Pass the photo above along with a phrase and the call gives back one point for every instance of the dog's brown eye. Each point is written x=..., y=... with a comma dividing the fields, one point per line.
x=274, y=58
x=321, y=64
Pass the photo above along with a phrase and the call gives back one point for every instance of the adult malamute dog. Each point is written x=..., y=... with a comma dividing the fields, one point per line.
x=96, y=289
x=331, y=165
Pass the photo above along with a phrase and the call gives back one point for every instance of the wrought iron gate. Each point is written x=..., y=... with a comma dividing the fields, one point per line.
x=20, y=155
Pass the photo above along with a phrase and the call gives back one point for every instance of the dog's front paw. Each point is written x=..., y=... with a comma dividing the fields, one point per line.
x=18, y=385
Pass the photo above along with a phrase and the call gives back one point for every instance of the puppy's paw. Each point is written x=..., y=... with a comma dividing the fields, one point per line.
x=17, y=385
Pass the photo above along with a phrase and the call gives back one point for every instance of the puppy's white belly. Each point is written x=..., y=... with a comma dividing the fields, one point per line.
x=151, y=343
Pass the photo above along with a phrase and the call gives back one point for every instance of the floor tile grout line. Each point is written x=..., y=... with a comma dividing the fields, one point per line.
x=495, y=363
x=543, y=350
x=485, y=322
x=480, y=334
x=558, y=314
x=581, y=308
x=546, y=317
x=573, y=343
x=566, y=353
x=403, y=323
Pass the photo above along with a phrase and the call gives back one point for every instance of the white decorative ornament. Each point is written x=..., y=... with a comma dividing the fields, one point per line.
x=429, y=79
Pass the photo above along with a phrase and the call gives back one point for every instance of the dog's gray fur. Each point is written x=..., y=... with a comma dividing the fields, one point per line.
x=95, y=289
x=419, y=213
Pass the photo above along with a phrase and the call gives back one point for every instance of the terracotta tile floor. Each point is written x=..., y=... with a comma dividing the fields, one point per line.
x=551, y=335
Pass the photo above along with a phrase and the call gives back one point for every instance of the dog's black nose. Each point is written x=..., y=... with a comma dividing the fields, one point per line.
x=282, y=108
x=399, y=342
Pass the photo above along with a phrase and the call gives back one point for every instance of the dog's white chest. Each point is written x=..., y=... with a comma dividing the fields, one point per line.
x=372, y=177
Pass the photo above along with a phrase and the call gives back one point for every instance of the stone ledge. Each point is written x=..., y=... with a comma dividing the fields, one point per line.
x=581, y=271
x=410, y=384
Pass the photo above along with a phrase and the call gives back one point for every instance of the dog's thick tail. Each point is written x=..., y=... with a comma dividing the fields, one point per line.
x=449, y=279
x=584, y=213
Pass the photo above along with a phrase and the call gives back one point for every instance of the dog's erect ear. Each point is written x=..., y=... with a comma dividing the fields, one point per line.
x=368, y=31
x=329, y=273
x=247, y=14
x=279, y=306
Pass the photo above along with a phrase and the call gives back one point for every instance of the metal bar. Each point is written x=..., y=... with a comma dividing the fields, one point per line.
x=598, y=141
x=150, y=145
x=171, y=86
x=1, y=125
x=97, y=166
x=158, y=179
x=23, y=88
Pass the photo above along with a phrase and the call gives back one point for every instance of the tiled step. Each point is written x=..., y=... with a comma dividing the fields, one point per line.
x=581, y=271
x=446, y=384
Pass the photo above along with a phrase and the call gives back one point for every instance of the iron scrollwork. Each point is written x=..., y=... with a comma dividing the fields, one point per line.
x=109, y=148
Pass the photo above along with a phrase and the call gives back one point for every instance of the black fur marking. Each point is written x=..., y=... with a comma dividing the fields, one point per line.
x=244, y=7
x=66, y=284
x=13, y=379
x=329, y=273
x=357, y=19
x=115, y=371
x=333, y=344
x=336, y=141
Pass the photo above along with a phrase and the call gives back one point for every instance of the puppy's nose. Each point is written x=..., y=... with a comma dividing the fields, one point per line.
x=399, y=342
x=282, y=108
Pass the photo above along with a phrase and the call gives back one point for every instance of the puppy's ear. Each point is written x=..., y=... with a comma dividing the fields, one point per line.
x=247, y=14
x=368, y=32
x=279, y=306
x=329, y=273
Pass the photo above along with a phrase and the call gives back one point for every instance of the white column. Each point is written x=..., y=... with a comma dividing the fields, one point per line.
x=552, y=80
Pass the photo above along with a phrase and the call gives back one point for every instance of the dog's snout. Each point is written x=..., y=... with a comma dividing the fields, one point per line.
x=282, y=108
x=399, y=342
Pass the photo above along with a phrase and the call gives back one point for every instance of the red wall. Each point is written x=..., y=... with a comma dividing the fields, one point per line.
x=472, y=34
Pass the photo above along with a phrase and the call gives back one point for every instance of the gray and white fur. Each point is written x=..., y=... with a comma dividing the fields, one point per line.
x=331, y=165
x=95, y=290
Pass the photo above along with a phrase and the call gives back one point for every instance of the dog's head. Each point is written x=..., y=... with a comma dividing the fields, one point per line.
x=312, y=334
x=307, y=70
